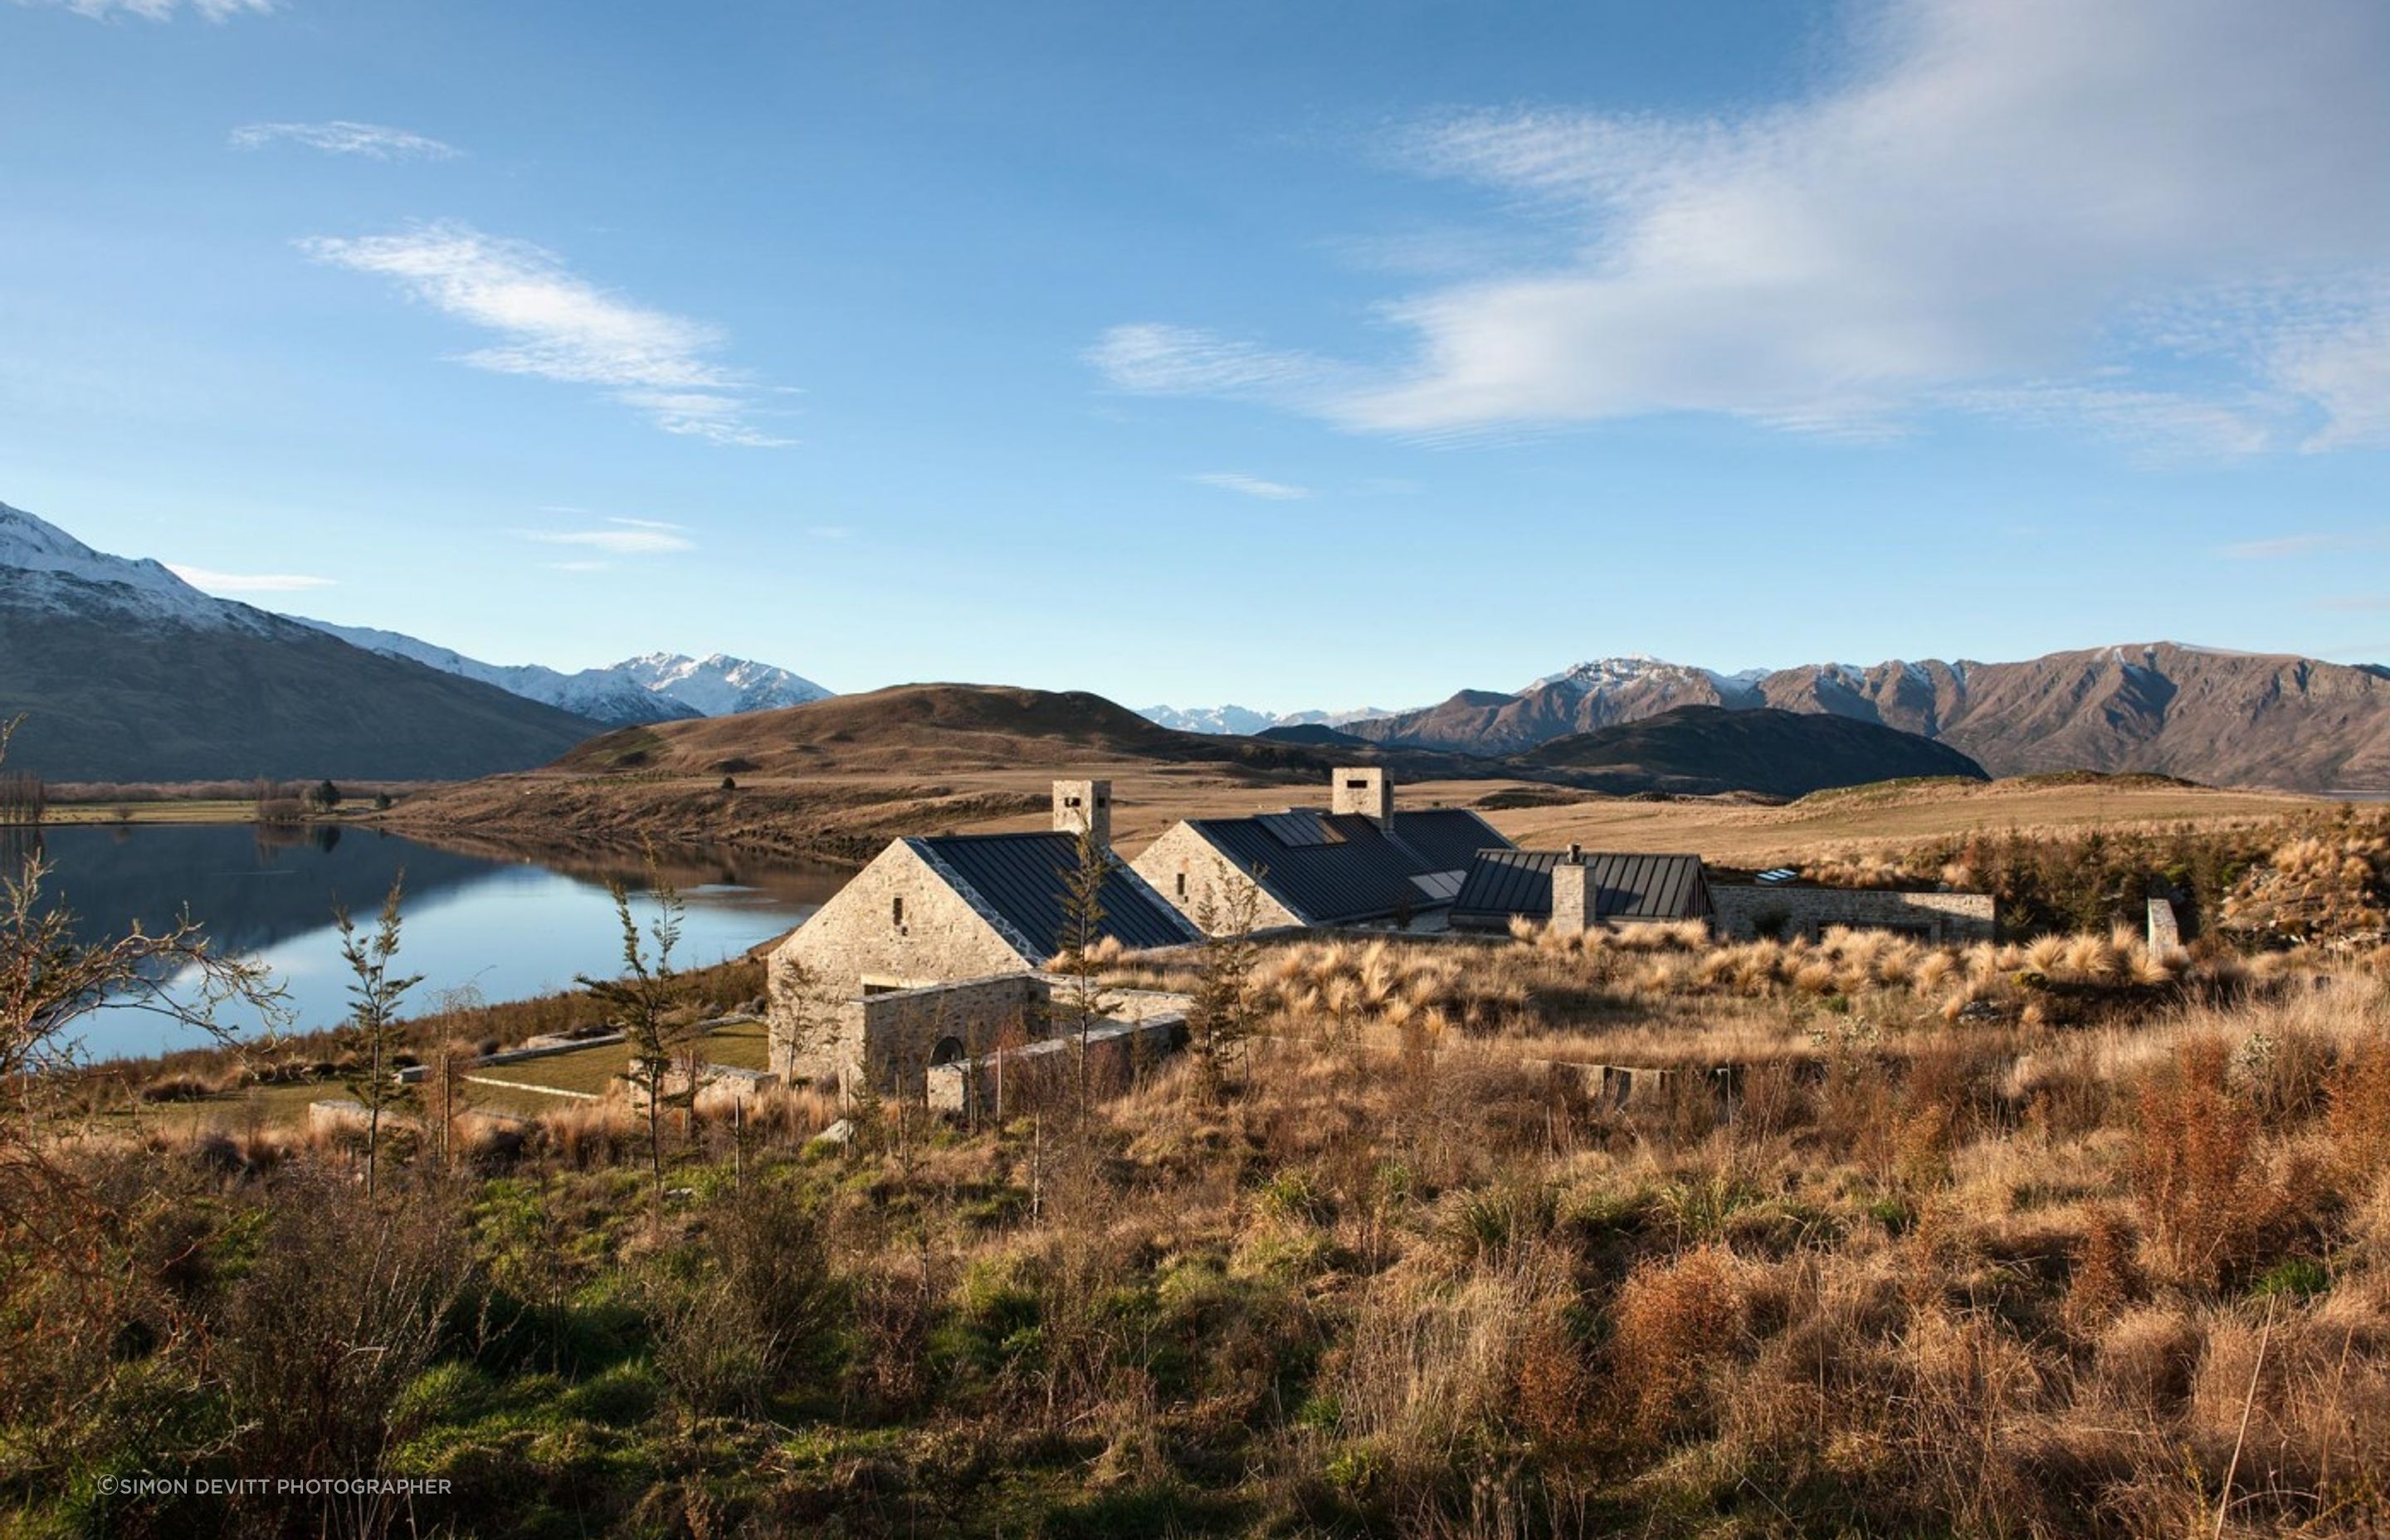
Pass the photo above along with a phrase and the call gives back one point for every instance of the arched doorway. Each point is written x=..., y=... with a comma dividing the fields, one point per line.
x=947, y=1052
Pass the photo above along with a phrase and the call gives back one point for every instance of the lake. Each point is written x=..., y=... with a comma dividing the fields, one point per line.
x=510, y=927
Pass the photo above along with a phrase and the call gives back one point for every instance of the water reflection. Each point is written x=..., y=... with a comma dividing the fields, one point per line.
x=507, y=924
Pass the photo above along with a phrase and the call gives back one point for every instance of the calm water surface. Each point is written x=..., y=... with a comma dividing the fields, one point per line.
x=507, y=927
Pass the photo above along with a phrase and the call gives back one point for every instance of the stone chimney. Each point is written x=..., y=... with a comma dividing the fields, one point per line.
x=1573, y=901
x=1080, y=805
x=1369, y=792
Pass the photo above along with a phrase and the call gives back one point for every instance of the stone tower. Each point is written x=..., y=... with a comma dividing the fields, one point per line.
x=1368, y=791
x=1080, y=805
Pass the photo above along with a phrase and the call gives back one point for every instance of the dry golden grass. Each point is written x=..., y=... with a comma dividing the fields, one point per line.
x=2037, y=1239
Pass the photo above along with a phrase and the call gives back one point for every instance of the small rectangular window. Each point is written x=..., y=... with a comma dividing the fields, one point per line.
x=1182, y=884
x=896, y=911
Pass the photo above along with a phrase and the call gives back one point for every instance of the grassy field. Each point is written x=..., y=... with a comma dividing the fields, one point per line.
x=198, y=811
x=849, y=817
x=2059, y=1235
x=586, y=1071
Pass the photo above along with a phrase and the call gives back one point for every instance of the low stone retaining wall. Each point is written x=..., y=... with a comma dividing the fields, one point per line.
x=675, y=1081
x=900, y=1034
x=1045, y=1073
x=1746, y=910
x=537, y=1047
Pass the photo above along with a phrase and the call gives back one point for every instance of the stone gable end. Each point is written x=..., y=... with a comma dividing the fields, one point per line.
x=856, y=942
x=1211, y=877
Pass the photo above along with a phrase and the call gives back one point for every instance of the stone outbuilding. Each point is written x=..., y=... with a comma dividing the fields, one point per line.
x=1575, y=888
x=1358, y=861
x=947, y=908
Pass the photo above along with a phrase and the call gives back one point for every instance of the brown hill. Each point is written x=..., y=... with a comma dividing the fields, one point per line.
x=936, y=728
x=2233, y=719
x=2238, y=719
x=1704, y=751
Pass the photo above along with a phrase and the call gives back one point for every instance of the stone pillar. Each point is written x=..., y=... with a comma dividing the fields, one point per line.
x=1369, y=792
x=2166, y=934
x=1572, y=897
x=1080, y=805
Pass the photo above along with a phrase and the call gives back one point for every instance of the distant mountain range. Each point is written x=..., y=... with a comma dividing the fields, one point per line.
x=924, y=728
x=654, y=687
x=1246, y=721
x=125, y=672
x=2226, y=718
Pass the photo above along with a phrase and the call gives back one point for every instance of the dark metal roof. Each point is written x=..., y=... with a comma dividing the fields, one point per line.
x=1333, y=868
x=1506, y=883
x=1301, y=825
x=1023, y=876
x=1446, y=838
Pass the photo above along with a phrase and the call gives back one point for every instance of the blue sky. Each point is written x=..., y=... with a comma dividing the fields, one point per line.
x=1290, y=354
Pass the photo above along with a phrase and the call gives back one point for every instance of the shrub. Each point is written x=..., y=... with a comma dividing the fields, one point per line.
x=1676, y=1320
x=2193, y=1159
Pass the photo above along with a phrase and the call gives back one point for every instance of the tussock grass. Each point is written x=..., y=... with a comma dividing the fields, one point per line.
x=2041, y=1263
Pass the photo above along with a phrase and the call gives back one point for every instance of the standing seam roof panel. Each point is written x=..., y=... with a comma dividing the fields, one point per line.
x=1023, y=876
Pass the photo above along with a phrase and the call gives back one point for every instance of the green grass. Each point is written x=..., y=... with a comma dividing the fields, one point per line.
x=591, y=1070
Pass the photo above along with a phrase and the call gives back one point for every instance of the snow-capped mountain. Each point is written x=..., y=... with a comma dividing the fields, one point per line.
x=1245, y=722
x=122, y=670
x=719, y=685
x=48, y=567
x=1241, y=719
x=658, y=686
x=601, y=695
x=2230, y=718
x=1642, y=670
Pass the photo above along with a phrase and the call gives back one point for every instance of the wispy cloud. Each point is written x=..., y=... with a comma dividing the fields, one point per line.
x=559, y=325
x=2154, y=219
x=248, y=583
x=2286, y=544
x=161, y=10
x=623, y=537
x=1164, y=360
x=374, y=141
x=1252, y=486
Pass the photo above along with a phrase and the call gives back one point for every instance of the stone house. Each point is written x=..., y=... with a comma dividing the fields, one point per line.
x=1356, y=861
x=942, y=910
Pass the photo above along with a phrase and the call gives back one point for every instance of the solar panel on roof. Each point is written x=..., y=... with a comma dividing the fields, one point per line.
x=1439, y=886
x=1776, y=874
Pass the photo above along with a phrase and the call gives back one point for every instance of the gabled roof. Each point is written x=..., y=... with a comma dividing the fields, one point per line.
x=1506, y=883
x=1333, y=868
x=1018, y=881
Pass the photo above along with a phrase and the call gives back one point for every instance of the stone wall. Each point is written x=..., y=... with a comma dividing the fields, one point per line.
x=854, y=942
x=1745, y=910
x=1211, y=879
x=675, y=1082
x=897, y=1036
x=1045, y=1074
